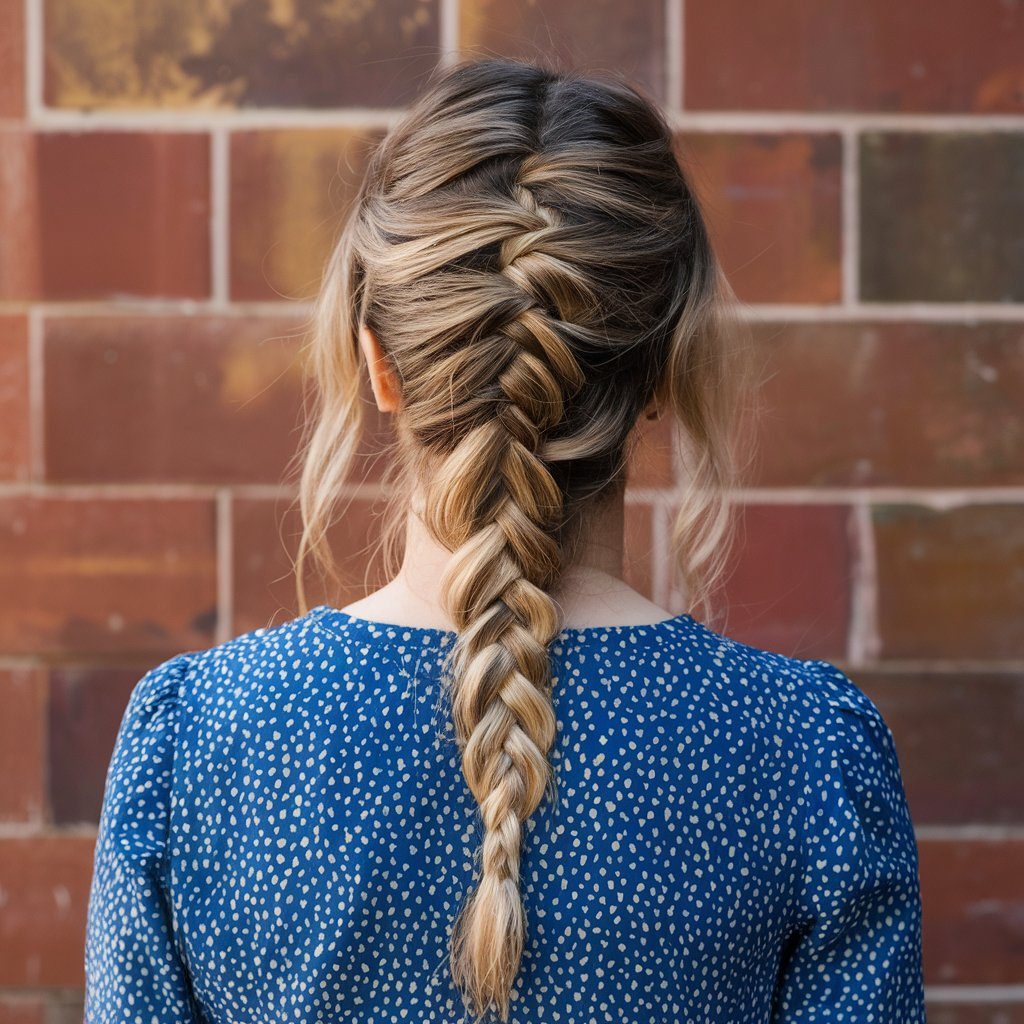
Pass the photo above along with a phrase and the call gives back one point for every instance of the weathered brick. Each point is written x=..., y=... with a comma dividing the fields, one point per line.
x=214, y=399
x=290, y=190
x=973, y=895
x=266, y=535
x=950, y=583
x=788, y=582
x=42, y=928
x=599, y=35
x=105, y=214
x=98, y=575
x=12, y=58
x=86, y=708
x=773, y=205
x=22, y=744
x=958, y=738
x=852, y=55
x=14, y=414
x=942, y=217
x=303, y=54
x=23, y=1009
x=915, y=404
x=66, y=1007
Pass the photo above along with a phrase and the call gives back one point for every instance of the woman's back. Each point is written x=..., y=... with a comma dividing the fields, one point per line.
x=728, y=839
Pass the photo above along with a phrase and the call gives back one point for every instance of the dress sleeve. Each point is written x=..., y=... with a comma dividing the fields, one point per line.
x=855, y=957
x=134, y=970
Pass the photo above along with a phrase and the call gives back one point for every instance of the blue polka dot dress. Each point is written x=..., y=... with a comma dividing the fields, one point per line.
x=286, y=838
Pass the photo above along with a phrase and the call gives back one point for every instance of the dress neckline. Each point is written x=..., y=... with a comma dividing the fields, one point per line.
x=339, y=619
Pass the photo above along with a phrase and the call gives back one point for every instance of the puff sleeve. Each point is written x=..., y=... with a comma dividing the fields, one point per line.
x=855, y=955
x=135, y=973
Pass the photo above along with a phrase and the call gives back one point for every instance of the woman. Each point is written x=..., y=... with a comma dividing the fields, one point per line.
x=506, y=784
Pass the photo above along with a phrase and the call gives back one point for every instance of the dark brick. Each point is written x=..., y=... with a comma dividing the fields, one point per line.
x=773, y=206
x=596, y=35
x=22, y=744
x=973, y=895
x=105, y=214
x=290, y=190
x=42, y=928
x=914, y=404
x=855, y=55
x=788, y=587
x=305, y=54
x=942, y=217
x=14, y=414
x=210, y=399
x=951, y=583
x=958, y=738
x=86, y=708
x=986, y=1012
x=98, y=575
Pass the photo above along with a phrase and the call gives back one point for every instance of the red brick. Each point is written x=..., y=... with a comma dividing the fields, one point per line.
x=22, y=1009
x=852, y=55
x=14, y=414
x=97, y=575
x=266, y=534
x=973, y=895
x=304, y=54
x=942, y=217
x=599, y=35
x=836, y=408
x=773, y=206
x=987, y=1012
x=12, y=59
x=86, y=708
x=290, y=190
x=105, y=214
x=958, y=737
x=204, y=399
x=788, y=583
x=22, y=744
x=42, y=928
x=950, y=583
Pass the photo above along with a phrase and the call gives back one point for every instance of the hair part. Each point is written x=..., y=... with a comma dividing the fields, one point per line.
x=529, y=253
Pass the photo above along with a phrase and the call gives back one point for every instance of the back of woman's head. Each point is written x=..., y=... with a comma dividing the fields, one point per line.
x=528, y=253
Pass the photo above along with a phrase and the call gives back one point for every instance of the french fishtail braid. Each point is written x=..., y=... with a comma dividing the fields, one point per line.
x=495, y=503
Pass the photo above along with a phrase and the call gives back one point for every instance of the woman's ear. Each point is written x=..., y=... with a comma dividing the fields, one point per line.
x=383, y=378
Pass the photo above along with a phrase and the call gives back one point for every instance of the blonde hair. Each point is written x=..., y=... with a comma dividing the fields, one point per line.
x=528, y=252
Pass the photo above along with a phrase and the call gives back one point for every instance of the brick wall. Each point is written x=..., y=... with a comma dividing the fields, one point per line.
x=171, y=174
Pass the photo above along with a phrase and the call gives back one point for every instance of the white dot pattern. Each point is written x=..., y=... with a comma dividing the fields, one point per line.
x=286, y=838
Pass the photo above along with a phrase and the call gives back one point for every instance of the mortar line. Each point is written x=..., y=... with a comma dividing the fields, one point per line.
x=850, y=227
x=34, y=61
x=225, y=566
x=36, y=397
x=205, y=118
x=220, y=240
x=675, y=56
x=864, y=639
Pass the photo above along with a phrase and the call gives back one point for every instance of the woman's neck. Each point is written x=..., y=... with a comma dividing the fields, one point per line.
x=591, y=593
